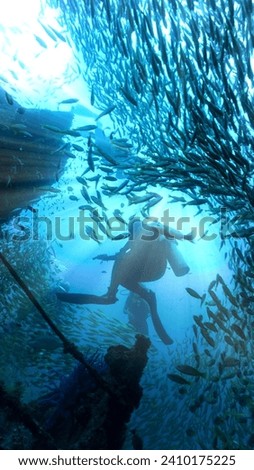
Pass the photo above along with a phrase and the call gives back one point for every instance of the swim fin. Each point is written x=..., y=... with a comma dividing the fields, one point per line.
x=159, y=328
x=85, y=298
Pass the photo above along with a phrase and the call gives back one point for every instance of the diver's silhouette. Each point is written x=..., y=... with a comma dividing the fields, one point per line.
x=138, y=312
x=143, y=259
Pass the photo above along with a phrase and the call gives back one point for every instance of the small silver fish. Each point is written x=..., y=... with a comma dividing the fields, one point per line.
x=105, y=112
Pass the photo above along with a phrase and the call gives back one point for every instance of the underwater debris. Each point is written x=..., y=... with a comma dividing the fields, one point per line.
x=26, y=141
x=68, y=346
x=18, y=412
x=136, y=440
x=78, y=413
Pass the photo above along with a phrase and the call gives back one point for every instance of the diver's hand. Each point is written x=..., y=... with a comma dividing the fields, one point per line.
x=102, y=257
x=105, y=257
x=190, y=236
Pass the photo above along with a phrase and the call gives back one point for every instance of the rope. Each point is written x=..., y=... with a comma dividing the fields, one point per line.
x=68, y=346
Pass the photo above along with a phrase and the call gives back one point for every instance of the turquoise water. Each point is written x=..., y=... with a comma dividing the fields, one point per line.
x=174, y=84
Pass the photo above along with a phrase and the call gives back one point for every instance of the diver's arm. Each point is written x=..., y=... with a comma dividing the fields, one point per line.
x=172, y=233
x=106, y=257
x=190, y=236
x=116, y=255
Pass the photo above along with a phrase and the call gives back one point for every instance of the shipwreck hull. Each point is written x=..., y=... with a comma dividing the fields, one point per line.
x=30, y=159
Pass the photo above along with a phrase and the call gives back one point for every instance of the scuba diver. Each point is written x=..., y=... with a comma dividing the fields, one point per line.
x=138, y=312
x=144, y=258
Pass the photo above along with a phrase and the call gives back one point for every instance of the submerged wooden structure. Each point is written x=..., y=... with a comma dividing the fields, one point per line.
x=84, y=416
x=30, y=159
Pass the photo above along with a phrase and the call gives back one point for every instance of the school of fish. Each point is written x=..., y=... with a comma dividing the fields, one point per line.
x=176, y=79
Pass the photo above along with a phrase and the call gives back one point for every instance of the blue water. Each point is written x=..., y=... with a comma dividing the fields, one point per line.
x=103, y=55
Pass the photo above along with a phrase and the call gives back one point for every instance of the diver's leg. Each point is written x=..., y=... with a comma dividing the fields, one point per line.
x=85, y=298
x=106, y=299
x=115, y=280
x=113, y=287
x=150, y=298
